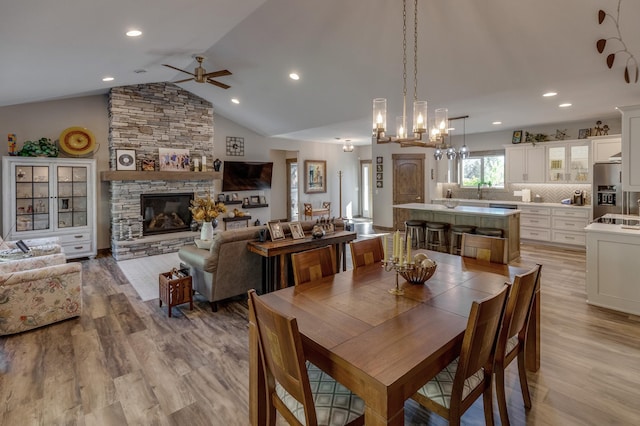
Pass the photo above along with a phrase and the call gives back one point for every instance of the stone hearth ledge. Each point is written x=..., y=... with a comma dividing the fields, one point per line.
x=151, y=245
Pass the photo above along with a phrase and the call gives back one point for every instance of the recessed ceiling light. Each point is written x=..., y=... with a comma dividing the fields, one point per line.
x=294, y=76
x=565, y=105
x=235, y=100
x=549, y=94
x=496, y=123
x=108, y=79
x=134, y=33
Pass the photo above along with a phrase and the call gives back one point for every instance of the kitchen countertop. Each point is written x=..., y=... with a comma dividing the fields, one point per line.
x=470, y=210
x=612, y=228
x=518, y=203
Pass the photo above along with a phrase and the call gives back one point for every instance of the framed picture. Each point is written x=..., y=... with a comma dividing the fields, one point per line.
x=125, y=159
x=263, y=199
x=254, y=199
x=378, y=184
x=378, y=160
x=148, y=165
x=296, y=230
x=517, y=136
x=315, y=176
x=174, y=160
x=234, y=196
x=378, y=167
x=378, y=176
x=221, y=198
x=275, y=229
x=584, y=133
x=245, y=201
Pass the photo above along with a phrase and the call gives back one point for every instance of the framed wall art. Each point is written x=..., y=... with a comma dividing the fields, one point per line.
x=174, y=160
x=296, y=230
x=378, y=160
x=517, y=136
x=148, y=165
x=275, y=229
x=315, y=176
x=125, y=159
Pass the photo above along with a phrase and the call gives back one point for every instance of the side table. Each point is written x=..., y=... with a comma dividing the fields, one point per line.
x=175, y=291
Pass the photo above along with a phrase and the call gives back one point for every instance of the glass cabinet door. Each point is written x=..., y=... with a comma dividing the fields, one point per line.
x=72, y=196
x=555, y=164
x=32, y=198
x=579, y=163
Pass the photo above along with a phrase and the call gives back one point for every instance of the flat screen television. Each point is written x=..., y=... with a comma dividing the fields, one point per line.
x=246, y=176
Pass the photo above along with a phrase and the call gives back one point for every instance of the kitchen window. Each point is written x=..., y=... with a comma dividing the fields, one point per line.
x=486, y=167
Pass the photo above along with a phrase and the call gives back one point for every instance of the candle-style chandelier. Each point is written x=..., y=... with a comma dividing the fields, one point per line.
x=438, y=129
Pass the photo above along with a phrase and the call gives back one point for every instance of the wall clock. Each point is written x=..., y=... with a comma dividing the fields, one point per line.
x=235, y=146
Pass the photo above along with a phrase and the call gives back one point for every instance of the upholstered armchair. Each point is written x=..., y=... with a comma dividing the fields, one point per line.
x=38, y=291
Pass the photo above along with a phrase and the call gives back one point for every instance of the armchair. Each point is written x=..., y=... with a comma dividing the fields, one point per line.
x=38, y=291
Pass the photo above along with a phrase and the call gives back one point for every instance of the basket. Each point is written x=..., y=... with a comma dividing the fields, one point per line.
x=419, y=274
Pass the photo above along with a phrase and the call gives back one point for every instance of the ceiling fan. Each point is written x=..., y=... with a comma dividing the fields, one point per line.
x=200, y=75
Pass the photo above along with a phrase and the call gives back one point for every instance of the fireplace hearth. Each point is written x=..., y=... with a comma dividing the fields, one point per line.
x=165, y=213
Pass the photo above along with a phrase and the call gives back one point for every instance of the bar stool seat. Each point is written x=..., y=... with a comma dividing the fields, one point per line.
x=455, y=240
x=491, y=232
x=436, y=235
x=414, y=229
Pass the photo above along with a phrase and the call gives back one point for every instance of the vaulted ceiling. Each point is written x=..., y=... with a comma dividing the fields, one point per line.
x=490, y=59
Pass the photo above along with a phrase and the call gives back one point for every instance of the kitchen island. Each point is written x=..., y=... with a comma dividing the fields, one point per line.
x=613, y=264
x=481, y=217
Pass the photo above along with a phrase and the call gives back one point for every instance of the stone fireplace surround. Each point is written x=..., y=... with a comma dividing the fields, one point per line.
x=147, y=117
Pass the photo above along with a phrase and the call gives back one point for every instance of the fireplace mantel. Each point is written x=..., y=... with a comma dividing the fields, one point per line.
x=122, y=175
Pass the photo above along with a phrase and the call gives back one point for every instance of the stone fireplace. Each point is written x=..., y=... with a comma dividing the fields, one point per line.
x=144, y=118
x=165, y=213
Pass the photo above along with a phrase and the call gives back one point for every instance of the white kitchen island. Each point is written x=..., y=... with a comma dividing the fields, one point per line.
x=481, y=217
x=613, y=266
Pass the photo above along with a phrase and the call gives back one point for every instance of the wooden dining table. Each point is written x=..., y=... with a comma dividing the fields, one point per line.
x=382, y=346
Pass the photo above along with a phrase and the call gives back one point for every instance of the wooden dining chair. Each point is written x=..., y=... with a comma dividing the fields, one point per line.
x=297, y=389
x=454, y=389
x=482, y=247
x=313, y=264
x=308, y=210
x=367, y=251
x=513, y=335
x=326, y=205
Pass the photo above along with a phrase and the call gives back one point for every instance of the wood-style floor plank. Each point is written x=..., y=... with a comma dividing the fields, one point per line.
x=124, y=362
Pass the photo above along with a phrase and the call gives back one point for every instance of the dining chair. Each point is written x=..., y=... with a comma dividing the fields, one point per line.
x=455, y=388
x=326, y=205
x=367, y=251
x=513, y=335
x=482, y=247
x=301, y=392
x=313, y=264
x=308, y=211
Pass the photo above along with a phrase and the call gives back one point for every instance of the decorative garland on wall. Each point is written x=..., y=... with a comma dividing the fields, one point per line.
x=631, y=65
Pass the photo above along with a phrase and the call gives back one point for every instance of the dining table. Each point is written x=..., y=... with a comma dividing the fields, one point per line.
x=380, y=345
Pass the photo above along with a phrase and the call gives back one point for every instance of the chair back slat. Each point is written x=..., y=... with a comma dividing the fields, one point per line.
x=365, y=252
x=482, y=247
x=313, y=264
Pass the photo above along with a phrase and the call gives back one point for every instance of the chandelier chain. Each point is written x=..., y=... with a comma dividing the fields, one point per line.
x=404, y=48
x=415, y=50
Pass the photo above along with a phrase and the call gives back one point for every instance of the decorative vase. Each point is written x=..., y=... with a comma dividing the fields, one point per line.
x=206, y=233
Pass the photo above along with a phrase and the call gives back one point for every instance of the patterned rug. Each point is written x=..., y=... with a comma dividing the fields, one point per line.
x=143, y=272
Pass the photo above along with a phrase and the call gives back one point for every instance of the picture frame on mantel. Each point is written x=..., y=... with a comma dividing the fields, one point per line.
x=315, y=176
x=125, y=159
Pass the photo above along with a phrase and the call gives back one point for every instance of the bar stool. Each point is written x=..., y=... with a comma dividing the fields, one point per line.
x=491, y=232
x=414, y=229
x=437, y=236
x=455, y=240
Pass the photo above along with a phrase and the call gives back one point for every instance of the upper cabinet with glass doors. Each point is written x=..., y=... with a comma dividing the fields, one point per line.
x=569, y=162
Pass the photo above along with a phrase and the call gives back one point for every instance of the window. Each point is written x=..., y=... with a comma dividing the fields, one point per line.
x=483, y=167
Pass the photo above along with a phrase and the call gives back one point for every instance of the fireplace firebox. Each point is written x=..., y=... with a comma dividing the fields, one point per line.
x=165, y=213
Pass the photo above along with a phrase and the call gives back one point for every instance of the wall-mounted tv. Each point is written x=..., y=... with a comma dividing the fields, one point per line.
x=246, y=176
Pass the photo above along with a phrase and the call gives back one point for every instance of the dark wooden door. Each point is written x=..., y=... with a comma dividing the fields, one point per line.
x=408, y=184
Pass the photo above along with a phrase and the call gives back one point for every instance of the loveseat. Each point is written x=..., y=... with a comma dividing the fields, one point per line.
x=227, y=268
x=38, y=291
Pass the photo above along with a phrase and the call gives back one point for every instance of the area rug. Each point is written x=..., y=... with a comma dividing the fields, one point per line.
x=143, y=272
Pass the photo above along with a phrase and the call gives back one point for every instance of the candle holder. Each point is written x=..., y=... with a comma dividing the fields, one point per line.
x=400, y=267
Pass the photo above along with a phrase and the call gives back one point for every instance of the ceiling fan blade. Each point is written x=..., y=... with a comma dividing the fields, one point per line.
x=178, y=69
x=217, y=73
x=182, y=81
x=217, y=83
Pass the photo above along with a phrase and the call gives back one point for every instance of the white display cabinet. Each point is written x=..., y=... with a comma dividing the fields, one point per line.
x=51, y=197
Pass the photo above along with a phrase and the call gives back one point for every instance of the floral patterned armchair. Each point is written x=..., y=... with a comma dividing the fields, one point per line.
x=38, y=291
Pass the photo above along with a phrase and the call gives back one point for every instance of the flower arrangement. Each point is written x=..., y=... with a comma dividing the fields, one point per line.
x=206, y=209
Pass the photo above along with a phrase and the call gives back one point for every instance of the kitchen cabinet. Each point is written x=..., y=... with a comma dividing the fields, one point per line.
x=535, y=223
x=525, y=163
x=562, y=225
x=51, y=197
x=630, y=147
x=603, y=148
x=568, y=162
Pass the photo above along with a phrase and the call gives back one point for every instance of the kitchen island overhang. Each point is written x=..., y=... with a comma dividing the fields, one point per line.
x=508, y=220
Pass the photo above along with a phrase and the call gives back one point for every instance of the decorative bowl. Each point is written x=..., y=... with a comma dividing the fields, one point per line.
x=419, y=274
x=450, y=204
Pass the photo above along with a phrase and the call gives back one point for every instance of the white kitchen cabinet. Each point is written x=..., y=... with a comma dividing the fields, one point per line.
x=535, y=223
x=603, y=148
x=525, y=163
x=569, y=162
x=51, y=197
x=630, y=148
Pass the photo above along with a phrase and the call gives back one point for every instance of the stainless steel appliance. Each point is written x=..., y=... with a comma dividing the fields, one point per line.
x=607, y=193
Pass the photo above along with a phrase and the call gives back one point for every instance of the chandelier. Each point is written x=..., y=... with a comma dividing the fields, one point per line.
x=438, y=129
x=442, y=148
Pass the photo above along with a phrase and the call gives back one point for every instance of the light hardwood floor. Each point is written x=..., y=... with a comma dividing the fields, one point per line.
x=124, y=362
